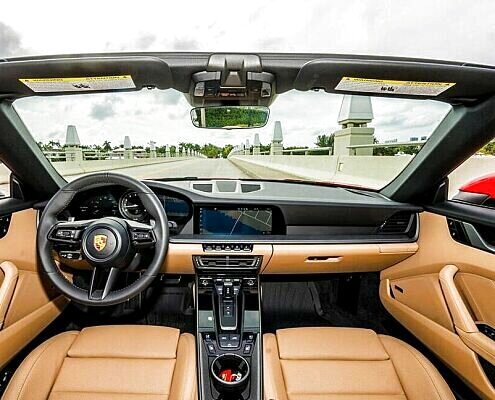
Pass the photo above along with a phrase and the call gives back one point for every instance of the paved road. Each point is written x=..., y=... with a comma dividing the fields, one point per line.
x=201, y=168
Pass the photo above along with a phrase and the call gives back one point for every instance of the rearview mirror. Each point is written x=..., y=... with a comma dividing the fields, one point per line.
x=226, y=117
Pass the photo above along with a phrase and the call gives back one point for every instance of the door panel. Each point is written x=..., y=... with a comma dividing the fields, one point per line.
x=478, y=293
x=33, y=304
x=447, y=287
x=412, y=291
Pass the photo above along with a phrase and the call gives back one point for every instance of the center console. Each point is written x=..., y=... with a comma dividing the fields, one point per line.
x=228, y=322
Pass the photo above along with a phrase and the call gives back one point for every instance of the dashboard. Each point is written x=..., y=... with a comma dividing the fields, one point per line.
x=259, y=211
x=281, y=227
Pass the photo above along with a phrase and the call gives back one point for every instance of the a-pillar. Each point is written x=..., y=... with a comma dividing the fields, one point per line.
x=355, y=113
x=277, y=148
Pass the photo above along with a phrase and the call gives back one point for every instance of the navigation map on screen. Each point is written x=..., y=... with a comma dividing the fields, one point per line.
x=239, y=221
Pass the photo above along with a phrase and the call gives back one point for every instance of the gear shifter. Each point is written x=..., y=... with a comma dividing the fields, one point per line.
x=227, y=293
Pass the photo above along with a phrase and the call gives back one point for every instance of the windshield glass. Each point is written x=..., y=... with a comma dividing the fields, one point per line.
x=312, y=136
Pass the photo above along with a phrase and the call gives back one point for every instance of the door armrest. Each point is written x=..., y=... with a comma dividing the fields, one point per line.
x=10, y=275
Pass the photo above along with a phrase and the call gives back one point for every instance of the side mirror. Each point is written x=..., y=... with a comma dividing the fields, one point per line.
x=480, y=191
x=226, y=117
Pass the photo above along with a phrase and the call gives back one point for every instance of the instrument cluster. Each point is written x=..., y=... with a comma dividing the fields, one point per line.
x=118, y=202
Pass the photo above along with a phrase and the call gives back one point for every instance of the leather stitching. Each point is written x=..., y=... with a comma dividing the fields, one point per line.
x=421, y=362
x=48, y=345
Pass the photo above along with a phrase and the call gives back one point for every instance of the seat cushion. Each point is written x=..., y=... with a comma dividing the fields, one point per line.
x=346, y=364
x=109, y=362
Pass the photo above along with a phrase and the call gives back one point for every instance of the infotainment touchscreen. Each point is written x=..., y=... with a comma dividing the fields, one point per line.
x=235, y=221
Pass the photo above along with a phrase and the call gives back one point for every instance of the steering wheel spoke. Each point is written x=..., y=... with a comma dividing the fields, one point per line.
x=68, y=232
x=102, y=282
x=142, y=235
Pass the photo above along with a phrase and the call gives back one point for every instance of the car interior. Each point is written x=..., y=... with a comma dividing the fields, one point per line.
x=116, y=287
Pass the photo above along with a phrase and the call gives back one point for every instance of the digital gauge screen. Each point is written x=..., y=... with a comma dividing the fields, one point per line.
x=235, y=221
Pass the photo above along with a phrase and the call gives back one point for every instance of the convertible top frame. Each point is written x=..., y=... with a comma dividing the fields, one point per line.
x=469, y=125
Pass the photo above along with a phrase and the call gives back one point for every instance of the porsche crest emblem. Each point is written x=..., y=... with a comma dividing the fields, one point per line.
x=100, y=242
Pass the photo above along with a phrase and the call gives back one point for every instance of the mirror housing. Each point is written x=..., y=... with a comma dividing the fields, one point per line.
x=230, y=117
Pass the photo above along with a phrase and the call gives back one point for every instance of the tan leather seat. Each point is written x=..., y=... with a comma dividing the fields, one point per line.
x=346, y=364
x=109, y=363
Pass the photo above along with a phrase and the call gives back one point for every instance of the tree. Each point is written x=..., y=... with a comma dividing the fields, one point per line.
x=488, y=149
x=107, y=146
x=211, y=151
x=226, y=150
x=325, y=140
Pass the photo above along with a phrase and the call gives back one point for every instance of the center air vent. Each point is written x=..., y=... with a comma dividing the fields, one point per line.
x=226, y=186
x=227, y=261
x=399, y=223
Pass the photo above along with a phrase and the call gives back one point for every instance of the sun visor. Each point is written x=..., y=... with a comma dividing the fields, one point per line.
x=82, y=75
x=453, y=83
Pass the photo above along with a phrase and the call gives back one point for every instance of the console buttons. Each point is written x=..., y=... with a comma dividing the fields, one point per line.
x=211, y=348
x=229, y=341
x=205, y=282
x=208, y=337
x=247, y=348
x=249, y=337
x=250, y=281
x=223, y=338
x=228, y=310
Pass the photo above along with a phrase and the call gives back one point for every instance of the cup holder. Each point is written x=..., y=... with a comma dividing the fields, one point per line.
x=230, y=373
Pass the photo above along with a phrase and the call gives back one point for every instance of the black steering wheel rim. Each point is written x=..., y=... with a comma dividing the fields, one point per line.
x=61, y=200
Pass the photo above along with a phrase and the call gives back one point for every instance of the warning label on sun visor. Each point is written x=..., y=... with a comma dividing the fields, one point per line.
x=84, y=84
x=393, y=87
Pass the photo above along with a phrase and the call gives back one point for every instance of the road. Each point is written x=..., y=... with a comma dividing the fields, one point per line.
x=201, y=168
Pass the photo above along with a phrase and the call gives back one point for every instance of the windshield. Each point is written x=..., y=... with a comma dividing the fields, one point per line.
x=310, y=136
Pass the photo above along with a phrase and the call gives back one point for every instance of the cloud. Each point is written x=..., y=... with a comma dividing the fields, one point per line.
x=10, y=41
x=103, y=110
x=184, y=44
x=145, y=41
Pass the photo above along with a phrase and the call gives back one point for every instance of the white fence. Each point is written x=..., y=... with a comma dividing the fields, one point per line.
x=70, y=168
x=367, y=171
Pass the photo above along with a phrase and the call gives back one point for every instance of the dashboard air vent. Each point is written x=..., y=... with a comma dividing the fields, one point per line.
x=203, y=187
x=250, y=187
x=227, y=261
x=226, y=186
x=398, y=223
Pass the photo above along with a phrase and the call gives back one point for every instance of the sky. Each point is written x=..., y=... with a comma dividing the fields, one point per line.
x=442, y=29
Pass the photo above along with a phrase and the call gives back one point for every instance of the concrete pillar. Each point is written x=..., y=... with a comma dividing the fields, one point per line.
x=355, y=113
x=277, y=146
x=167, y=150
x=128, y=153
x=73, y=151
x=247, y=148
x=152, y=149
x=256, y=145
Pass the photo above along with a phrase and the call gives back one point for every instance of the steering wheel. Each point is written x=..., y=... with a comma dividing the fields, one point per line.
x=108, y=244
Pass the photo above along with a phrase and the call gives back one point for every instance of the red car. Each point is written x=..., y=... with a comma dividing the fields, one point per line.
x=479, y=191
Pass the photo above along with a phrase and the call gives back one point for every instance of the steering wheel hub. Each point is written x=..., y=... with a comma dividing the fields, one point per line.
x=106, y=243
